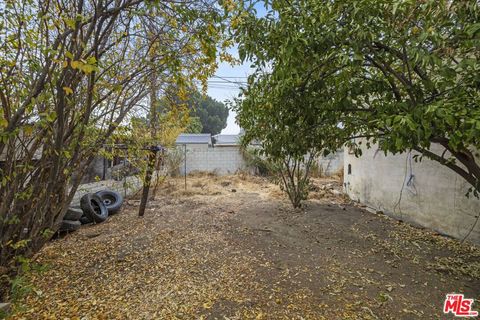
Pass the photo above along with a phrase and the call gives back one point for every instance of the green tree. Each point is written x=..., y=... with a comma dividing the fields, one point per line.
x=211, y=113
x=403, y=74
x=194, y=125
x=206, y=114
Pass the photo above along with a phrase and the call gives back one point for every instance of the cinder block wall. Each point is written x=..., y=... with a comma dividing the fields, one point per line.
x=222, y=160
x=229, y=159
x=126, y=188
x=425, y=193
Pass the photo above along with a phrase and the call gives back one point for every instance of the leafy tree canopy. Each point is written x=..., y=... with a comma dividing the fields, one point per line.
x=207, y=115
x=211, y=113
x=194, y=126
x=404, y=74
x=71, y=72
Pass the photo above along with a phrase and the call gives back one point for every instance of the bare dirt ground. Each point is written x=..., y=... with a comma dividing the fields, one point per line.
x=232, y=248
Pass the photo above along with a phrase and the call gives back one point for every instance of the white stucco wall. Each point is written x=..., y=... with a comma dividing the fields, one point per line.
x=425, y=193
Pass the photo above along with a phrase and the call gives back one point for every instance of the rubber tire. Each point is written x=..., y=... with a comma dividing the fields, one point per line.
x=94, y=208
x=85, y=220
x=69, y=225
x=112, y=200
x=73, y=213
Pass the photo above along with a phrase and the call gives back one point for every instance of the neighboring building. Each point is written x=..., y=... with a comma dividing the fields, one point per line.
x=194, y=140
x=226, y=140
x=424, y=193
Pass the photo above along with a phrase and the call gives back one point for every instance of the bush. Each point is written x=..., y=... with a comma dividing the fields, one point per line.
x=261, y=165
x=294, y=176
x=173, y=160
x=291, y=173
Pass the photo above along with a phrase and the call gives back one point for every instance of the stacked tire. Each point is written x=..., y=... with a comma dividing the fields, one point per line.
x=71, y=220
x=94, y=208
x=112, y=200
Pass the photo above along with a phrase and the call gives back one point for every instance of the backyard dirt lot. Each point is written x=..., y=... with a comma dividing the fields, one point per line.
x=232, y=248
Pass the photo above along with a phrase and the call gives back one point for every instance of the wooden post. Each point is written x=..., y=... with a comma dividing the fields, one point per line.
x=148, y=180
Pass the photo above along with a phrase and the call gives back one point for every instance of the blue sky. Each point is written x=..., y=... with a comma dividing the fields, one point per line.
x=227, y=91
x=219, y=87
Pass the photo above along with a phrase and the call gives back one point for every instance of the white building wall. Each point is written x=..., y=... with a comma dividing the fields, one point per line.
x=424, y=193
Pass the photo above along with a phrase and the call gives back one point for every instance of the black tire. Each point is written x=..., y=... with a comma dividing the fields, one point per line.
x=85, y=220
x=73, y=213
x=94, y=208
x=69, y=225
x=112, y=200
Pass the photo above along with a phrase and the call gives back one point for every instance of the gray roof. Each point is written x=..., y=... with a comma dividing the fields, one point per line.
x=194, y=138
x=227, y=139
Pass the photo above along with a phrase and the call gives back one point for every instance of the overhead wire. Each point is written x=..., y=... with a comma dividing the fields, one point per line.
x=221, y=82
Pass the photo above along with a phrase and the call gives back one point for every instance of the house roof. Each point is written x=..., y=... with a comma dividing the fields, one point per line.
x=194, y=138
x=227, y=139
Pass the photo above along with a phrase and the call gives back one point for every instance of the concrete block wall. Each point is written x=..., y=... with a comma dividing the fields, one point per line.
x=222, y=160
x=229, y=159
x=424, y=193
x=126, y=188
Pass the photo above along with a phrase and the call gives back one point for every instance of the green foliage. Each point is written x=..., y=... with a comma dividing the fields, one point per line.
x=206, y=114
x=19, y=283
x=194, y=126
x=136, y=138
x=20, y=287
x=255, y=161
x=212, y=114
x=403, y=74
x=292, y=174
x=71, y=75
x=174, y=160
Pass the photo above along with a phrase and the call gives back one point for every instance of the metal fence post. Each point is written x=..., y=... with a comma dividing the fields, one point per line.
x=185, y=165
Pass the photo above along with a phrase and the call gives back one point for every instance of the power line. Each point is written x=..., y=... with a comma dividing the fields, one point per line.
x=225, y=79
x=224, y=82
x=229, y=77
